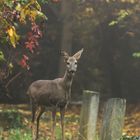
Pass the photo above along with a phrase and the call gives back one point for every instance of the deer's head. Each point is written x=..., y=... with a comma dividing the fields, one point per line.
x=71, y=61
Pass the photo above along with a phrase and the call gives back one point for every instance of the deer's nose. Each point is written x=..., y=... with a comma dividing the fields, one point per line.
x=72, y=71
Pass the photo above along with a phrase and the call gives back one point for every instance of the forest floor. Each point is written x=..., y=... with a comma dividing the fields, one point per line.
x=15, y=122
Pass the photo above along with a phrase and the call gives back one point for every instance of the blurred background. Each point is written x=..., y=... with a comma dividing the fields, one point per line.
x=108, y=30
x=33, y=34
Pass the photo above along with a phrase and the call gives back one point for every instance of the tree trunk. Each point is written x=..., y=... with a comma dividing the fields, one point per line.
x=66, y=41
x=110, y=61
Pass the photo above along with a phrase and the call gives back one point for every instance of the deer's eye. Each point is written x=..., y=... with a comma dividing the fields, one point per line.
x=68, y=63
x=75, y=63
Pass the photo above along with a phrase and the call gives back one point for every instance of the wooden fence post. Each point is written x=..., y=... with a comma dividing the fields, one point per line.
x=113, y=119
x=88, y=116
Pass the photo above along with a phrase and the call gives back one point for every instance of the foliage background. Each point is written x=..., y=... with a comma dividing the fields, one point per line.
x=107, y=30
x=30, y=46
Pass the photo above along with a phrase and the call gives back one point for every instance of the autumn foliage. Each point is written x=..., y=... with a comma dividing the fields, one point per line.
x=14, y=16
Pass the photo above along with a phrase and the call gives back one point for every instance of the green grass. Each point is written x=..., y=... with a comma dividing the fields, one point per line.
x=10, y=119
x=17, y=134
x=125, y=137
x=12, y=128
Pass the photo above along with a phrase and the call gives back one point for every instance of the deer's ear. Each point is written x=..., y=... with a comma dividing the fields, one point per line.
x=78, y=54
x=65, y=55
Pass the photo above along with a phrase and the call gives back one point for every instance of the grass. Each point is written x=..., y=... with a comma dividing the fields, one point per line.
x=14, y=125
x=13, y=119
x=18, y=134
x=125, y=137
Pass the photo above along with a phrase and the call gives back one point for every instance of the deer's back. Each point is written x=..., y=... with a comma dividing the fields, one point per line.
x=47, y=92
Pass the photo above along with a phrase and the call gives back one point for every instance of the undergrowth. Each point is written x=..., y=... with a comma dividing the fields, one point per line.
x=12, y=128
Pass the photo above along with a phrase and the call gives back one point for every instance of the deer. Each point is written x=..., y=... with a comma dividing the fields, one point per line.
x=54, y=94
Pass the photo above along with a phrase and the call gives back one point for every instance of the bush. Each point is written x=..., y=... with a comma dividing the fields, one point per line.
x=18, y=134
x=10, y=119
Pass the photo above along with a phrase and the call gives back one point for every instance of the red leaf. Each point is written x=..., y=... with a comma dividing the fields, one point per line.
x=23, y=62
x=30, y=45
x=25, y=57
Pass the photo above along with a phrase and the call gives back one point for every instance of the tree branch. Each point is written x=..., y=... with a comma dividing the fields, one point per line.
x=12, y=79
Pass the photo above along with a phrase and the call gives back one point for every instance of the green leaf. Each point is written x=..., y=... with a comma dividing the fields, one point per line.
x=122, y=14
x=9, y=3
x=136, y=54
x=2, y=56
x=112, y=23
x=42, y=15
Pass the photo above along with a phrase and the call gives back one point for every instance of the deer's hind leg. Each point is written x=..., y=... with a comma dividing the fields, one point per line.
x=40, y=110
x=33, y=108
x=33, y=111
x=62, y=114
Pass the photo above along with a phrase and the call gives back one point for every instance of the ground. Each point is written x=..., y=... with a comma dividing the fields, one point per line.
x=15, y=122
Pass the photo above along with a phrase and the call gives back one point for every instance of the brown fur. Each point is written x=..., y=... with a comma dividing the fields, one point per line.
x=53, y=93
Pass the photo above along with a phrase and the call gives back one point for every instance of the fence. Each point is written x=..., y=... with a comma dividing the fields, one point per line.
x=113, y=117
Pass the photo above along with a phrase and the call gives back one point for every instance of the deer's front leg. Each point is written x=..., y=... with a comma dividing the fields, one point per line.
x=53, y=123
x=62, y=114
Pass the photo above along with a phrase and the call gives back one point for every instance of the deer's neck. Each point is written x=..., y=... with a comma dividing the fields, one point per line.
x=67, y=82
x=67, y=79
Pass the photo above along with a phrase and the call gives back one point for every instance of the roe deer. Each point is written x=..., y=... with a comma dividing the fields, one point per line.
x=54, y=94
